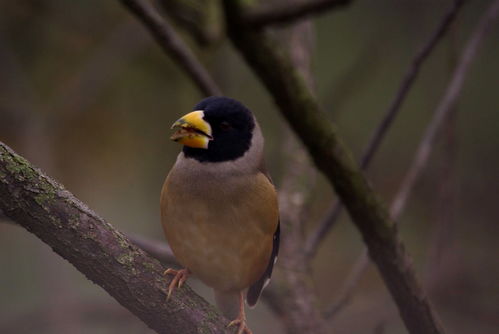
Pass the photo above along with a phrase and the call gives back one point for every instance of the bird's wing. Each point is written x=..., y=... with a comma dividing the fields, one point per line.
x=256, y=289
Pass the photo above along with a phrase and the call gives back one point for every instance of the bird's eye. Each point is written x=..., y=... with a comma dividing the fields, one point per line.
x=225, y=126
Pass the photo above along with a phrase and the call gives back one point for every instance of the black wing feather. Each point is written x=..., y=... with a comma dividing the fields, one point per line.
x=256, y=289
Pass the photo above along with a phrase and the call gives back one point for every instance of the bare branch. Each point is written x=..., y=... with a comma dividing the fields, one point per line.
x=351, y=282
x=96, y=249
x=444, y=109
x=284, y=12
x=158, y=250
x=301, y=110
x=166, y=37
x=407, y=83
x=442, y=113
x=410, y=76
x=444, y=216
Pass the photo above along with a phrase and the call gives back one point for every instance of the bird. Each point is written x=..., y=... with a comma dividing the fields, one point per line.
x=219, y=209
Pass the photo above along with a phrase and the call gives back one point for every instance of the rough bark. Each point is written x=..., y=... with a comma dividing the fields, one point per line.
x=101, y=253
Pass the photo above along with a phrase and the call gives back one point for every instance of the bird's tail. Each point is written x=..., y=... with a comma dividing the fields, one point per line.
x=228, y=303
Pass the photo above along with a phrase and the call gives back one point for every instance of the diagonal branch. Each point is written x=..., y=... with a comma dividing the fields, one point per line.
x=351, y=282
x=443, y=112
x=158, y=250
x=101, y=253
x=331, y=156
x=287, y=12
x=166, y=37
x=444, y=109
x=334, y=211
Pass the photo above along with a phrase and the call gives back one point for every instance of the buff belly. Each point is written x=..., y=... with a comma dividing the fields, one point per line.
x=224, y=237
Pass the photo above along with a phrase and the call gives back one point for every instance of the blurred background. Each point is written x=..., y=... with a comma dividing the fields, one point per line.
x=89, y=97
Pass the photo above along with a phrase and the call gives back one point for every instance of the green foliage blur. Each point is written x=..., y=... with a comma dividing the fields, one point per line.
x=89, y=97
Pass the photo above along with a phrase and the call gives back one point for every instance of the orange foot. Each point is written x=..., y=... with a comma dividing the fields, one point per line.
x=180, y=276
x=240, y=321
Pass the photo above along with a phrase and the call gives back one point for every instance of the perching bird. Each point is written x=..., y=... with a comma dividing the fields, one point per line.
x=219, y=207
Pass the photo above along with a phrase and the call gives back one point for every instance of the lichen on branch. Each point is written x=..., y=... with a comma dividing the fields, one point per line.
x=103, y=254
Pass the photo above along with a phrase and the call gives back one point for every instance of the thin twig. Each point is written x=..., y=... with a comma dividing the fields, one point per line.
x=444, y=109
x=334, y=211
x=285, y=12
x=167, y=38
x=442, y=113
x=159, y=250
x=443, y=238
x=351, y=282
x=443, y=234
x=408, y=81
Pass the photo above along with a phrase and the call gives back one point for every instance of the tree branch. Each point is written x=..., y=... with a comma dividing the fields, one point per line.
x=97, y=250
x=284, y=12
x=158, y=250
x=334, y=211
x=444, y=110
x=166, y=37
x=351, y=282
x=301, y=110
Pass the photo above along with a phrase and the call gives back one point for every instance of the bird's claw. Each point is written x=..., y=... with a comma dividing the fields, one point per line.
x=241, y=322
x=179, y=278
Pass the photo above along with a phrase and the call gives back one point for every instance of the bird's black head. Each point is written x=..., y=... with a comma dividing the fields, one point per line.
x=230, y=126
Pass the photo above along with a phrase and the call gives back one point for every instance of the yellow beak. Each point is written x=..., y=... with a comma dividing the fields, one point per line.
x=193, y=130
